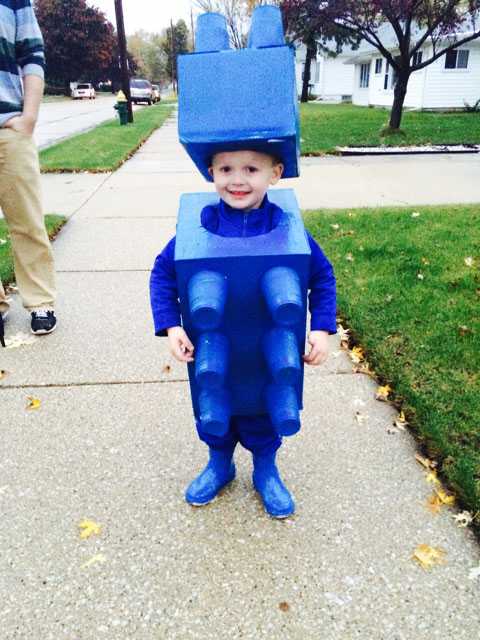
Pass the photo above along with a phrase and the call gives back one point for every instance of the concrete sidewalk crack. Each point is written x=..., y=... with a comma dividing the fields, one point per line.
x=104, y=383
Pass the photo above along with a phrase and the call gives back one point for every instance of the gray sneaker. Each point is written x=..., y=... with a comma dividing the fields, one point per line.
x=43, y=321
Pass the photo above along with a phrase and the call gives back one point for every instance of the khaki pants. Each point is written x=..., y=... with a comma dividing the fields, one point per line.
x=21, y=205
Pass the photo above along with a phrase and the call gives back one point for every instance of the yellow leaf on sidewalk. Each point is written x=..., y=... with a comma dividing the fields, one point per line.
x=88, y=528
x=434, y=504
x=383, y=393
x=446, y=498
x=432, y=478
x=95, y=560
x=357, y=354
x=427, y=556
x=33, y=403
x=425, y=462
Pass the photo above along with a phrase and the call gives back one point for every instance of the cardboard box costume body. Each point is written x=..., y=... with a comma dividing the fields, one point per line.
x=243, y=304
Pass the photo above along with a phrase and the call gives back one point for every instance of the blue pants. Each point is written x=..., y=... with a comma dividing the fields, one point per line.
x=255, y=433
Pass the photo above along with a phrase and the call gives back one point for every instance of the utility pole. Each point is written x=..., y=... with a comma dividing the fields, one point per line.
x=173, y=62
x=193, y=28
x=122, y=48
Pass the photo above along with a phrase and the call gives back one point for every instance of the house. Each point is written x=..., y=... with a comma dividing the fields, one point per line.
x=450, y=82
x=330, y=78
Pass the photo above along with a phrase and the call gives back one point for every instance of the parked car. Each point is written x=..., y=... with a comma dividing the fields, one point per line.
x=157, y=96
x=83, y=90
x=141, y=91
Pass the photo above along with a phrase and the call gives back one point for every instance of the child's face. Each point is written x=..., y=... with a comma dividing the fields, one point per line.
x=242, y=177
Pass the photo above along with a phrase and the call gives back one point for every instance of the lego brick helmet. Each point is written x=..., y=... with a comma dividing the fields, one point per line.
x=233, y=99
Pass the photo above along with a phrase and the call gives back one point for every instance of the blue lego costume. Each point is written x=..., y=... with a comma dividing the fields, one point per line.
x=242, y=303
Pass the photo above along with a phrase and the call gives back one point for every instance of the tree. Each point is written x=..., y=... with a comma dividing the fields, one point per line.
x=305, y=23
x=236, y=13
x=432, y=27
x=174, y=41
x=147, y=50
x=79, y=41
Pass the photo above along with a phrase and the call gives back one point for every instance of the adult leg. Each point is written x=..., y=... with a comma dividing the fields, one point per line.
x=220, y=469
x=20, y=199
x=257, y=434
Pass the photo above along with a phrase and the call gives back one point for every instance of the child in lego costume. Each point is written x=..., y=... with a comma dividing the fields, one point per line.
x=230, y=289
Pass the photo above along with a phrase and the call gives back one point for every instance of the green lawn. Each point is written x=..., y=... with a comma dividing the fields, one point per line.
x=323, y=127
x=53, y=224
x=107, y=146
x=408, y=289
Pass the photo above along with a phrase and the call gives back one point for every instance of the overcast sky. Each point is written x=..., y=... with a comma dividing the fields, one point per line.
x=151, y=15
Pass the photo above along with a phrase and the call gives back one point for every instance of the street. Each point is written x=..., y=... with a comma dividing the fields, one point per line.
x=59, y=120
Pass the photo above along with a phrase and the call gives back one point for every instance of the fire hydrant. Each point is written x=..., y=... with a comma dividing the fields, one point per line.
x=122, y=108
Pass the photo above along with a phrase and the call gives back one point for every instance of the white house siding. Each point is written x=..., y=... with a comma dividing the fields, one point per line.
x=451, y=88
x=330, y=78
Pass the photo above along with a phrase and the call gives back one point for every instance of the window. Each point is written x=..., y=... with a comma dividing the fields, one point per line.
x=387, y=76
x=378, y=65
x=364, y=76
x=417, y=58
x=457, y=59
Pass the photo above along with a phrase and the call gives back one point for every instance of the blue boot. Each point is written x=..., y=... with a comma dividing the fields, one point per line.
x=219, y=471
x=275, y=496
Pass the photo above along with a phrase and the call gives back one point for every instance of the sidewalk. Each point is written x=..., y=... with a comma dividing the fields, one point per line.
x=113, y=441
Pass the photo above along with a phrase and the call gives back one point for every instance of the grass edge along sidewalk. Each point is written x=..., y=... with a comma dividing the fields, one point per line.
x=53, y=224
x=409, y=290
x=325, y=127
x=106, y=147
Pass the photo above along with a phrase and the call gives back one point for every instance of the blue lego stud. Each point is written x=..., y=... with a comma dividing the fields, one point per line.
x=283, y=408
x=211, y=33
x=267, y=28
x=282, y=293
x=215, y=411
x=207, y=294
x=211, y=360
x=280, y=348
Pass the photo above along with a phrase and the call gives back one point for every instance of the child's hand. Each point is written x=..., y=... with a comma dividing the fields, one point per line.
x=180, y=346
x=318, y=340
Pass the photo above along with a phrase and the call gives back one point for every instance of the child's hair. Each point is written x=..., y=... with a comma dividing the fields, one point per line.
x=275, y=159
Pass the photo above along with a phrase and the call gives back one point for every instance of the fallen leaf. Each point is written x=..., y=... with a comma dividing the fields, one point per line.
x=19, y=340
x=469, y=261
x=344, y=335
x=400, y=421
x=357, y=354
x=425, y=261
x=415, y=214
x=389, y=298
x=446, y=498
x=420, y=276
x=166, y=369
x=431, y=477
x=463, y=519
x=33, y=403
x=3, y=374
x=425, y=462
x=463, y=330
x=427, y=556
x=349, y=257
x=335, y=227
x=364, y=368
x=474, y=573
x=2, y=241
x=360, y=417
x=284, y=606
x=383, y=393
x=99, y=558
x=88, y=528
x=434, y=504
